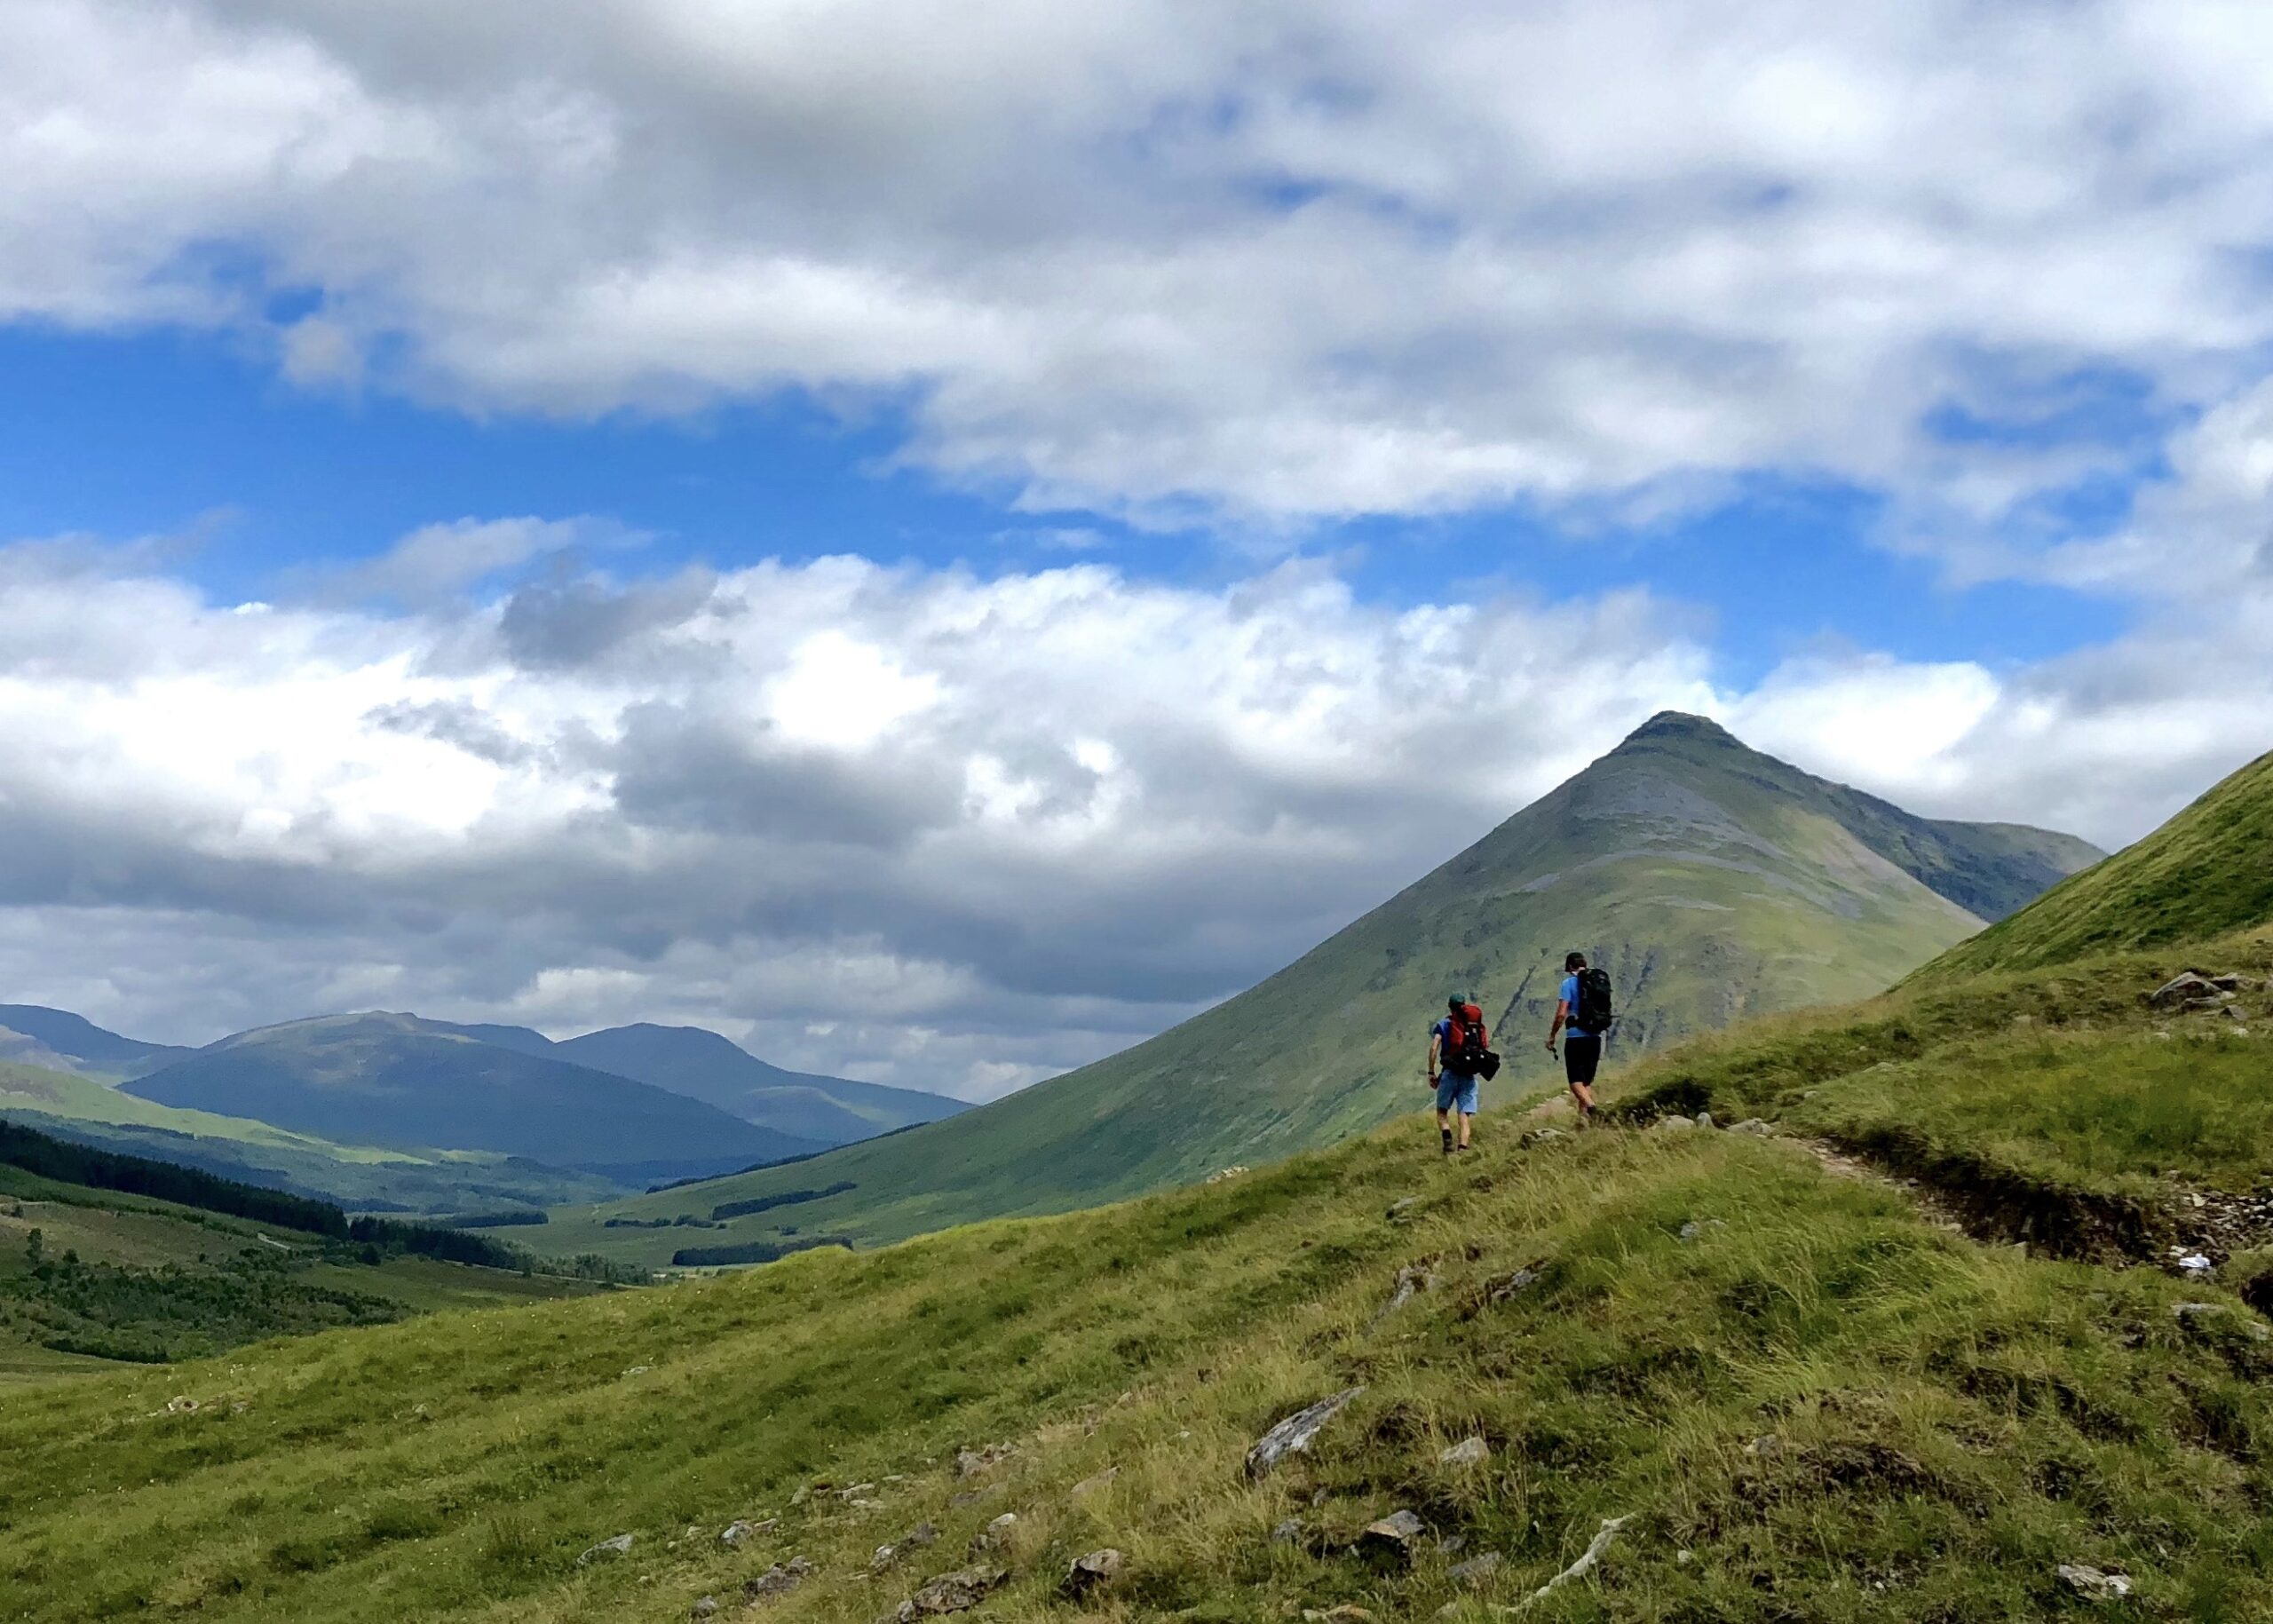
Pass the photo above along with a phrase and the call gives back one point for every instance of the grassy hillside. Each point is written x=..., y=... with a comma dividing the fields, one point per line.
x=2208, y=870
x=93, y=1277
x=395, y=1080
x=1714, y=883
x=706, y=1067
x=1807, y=1394
x=359, y=1177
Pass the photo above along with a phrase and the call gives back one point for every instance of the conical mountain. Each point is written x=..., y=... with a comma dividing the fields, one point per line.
x=2208, y=871
x=1711, y=880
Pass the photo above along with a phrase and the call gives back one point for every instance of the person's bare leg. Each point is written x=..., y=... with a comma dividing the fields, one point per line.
x=1444, y=1129
x=1584, y=1093
x=1467, y=1121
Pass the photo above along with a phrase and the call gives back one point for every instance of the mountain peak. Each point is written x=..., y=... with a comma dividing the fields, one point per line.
x=1668, y=726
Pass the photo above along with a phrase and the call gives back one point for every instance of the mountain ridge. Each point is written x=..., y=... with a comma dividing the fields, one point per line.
x=390, y=1078
x=706, y=1066
x=1714, y=882
x=73, y=1044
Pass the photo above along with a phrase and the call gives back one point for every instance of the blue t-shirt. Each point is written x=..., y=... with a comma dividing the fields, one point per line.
x=1442, y=1032
x=1570, y=996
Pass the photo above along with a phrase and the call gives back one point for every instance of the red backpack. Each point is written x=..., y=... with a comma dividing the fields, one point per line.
x=1466, y=1048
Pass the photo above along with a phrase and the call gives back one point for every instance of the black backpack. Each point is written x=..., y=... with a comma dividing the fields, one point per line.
x=1592, y=1014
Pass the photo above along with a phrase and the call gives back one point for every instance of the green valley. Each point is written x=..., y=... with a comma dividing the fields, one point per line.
x=1676, y=1366
x=1714, y=883
x=106, y=1259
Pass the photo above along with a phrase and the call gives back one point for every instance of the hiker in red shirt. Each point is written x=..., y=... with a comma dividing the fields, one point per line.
x=1457, y=1058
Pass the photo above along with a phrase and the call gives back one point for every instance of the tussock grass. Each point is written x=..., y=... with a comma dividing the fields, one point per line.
x=1948, y=1422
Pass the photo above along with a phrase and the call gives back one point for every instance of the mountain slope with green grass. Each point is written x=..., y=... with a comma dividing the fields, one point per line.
x=106, y=1259
x=395, y=1080
x=706, y=1067
x=1788, y=1386
x=1712, y=881
x=2206, y=871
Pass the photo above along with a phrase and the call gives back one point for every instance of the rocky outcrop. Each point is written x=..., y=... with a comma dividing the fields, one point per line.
x=957, y=1592
x=1293, y=1435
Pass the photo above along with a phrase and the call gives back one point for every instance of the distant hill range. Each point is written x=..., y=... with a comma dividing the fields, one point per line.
x=1713, y=883
x=436, y=1116
x=706, y=1067
x=393, y=1079
x=31, y=1034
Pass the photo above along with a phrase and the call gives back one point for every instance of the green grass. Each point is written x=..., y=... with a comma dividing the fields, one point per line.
x=1715, y=883
x=1950, y=1421
x=2065, y=1075
x=2205, y=872
x=125, y=1277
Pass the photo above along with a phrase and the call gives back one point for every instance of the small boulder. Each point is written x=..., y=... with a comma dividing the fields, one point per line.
x=1411, y=1278
x=1704, y=1119
x=1394, y=1539
x=1696, y=1227
x=2183, y=989
x=1088, y=1486
x=1468, y=1452
x=1099, y=1567
x=1477, y=1571
x=1533, y=1136
x=919, y=1536
x=2092, y=1583
x=1767, y=1446
x=996, y=1534
x=956, y=1592
x=1293, y=1435
x=1507, y=1285
x=1758, y=1127
x=617, y=1546
x=779, y=1579
x=1288, y=1532
x=970, y=1462
x=740, y=1532
x=1674, y=1123
x=1399, y=1209
x=703, y=1607
x=1349, y=1613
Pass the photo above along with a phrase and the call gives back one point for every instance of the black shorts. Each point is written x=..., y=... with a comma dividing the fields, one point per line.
x=1580, y=1057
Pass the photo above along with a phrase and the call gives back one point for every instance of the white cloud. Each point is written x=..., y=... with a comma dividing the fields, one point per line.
x=917, y=825
x=1165, y=257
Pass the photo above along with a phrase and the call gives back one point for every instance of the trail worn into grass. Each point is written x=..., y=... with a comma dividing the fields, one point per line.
x=1809, y=1402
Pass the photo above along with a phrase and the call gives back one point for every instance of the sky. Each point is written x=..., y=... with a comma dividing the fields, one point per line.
x=939, y=541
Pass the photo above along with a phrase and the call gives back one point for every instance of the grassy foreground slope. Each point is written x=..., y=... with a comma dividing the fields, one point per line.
x=1809, y=1400
x=2208, y=871
x=1714, y=883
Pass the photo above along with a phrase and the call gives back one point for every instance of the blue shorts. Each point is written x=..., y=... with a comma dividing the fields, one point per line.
x=1454, y=1090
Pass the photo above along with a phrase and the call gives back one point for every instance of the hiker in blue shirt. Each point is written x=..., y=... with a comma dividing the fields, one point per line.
x=1455, y=1090
x=1581, y=1045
